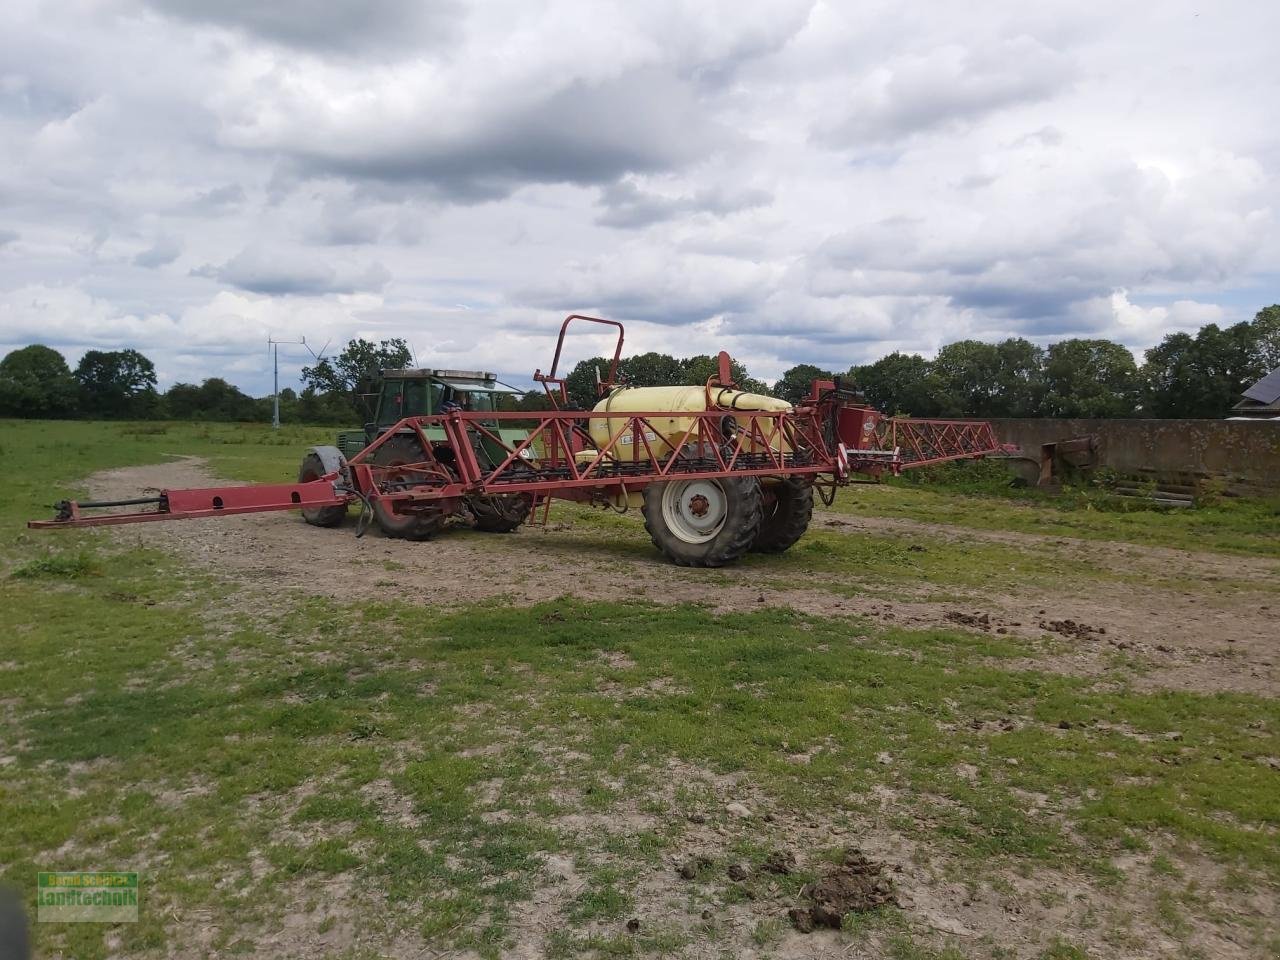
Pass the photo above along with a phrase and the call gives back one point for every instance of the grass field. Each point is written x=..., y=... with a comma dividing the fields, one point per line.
x=301, y=771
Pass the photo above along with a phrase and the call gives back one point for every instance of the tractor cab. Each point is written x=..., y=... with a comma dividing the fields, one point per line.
x=420, y=393
x=425, y=392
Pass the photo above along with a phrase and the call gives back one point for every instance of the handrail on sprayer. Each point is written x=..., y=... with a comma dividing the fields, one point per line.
x=603, y=386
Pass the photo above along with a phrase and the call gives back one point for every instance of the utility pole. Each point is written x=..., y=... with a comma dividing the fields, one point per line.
x=274, y=347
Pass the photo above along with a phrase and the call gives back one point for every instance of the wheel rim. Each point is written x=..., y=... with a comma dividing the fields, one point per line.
x=694, y=510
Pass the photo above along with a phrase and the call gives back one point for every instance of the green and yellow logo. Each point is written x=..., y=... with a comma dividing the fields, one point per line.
x=87, y=897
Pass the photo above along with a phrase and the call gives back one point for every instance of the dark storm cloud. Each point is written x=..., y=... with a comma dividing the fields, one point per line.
x=626, y=205
x=348, y=26
x=216, y=199
x=262, y=271
x=161, y=253
x=644, y=121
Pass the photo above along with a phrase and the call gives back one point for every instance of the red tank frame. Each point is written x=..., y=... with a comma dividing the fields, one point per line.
x=830, y=436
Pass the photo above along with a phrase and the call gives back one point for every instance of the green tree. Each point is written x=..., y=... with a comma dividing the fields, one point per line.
x=898, y=383
x=117, y=384
x=1266, y=332
x=1090, y=378
x=36, y=382
x=355, y=374
x=182, y=402
x=580, y=382
x=966, y=376
x=697, y=370
x=1020, y=383
x=1204, y=375
x=316, y=407
x=977, y=379
x=795, y=383
x=214, y=399
x=651, y=370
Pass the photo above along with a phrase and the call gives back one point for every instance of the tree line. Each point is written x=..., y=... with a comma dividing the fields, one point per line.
x=37, y=383
x=1184, y=375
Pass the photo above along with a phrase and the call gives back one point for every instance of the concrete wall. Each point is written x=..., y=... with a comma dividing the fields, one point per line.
x=1245, y=453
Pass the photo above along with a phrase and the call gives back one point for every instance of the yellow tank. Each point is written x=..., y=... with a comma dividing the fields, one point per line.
x=669, y=430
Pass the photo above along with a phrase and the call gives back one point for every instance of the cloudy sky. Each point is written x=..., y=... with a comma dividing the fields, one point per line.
x=792, y=181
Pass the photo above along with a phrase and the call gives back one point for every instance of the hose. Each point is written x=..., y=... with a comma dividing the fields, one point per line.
x=365, y=520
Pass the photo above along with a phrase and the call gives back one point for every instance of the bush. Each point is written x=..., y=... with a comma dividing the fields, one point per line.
x=61, y=566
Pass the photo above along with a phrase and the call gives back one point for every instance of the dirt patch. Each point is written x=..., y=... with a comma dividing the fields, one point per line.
x=858, y=885
x=1196, y=641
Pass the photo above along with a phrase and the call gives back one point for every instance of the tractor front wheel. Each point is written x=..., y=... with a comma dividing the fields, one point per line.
x=703, y=523
x=313, y=469
x=501, y=513
x=396, y=520
x=788, y=508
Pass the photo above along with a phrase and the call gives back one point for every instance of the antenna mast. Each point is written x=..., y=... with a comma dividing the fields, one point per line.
x=273, y=347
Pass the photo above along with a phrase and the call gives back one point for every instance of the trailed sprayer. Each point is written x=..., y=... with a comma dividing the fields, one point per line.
x=715, y=471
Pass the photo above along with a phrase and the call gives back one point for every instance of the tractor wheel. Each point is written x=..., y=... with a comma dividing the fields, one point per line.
x=500, y=513
x=788, y=508
x=313, y=469
x=404, y=524
x=703, y=523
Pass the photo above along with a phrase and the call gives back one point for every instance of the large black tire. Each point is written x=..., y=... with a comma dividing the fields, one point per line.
x=313, y=469
x=788, y=508
x=411, y=524
x=703, y=523
x=500, y=513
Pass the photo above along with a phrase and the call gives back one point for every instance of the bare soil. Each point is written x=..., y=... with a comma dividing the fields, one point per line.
x=1195, y=636
x=1183, y=619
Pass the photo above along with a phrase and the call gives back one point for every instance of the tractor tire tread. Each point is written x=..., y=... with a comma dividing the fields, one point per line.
x=416, y=526
x=313, y=469
x=742, y=526
x=491, y=520
x=792, y=513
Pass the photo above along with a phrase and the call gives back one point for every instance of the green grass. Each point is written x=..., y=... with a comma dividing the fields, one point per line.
x=112, y=713
x=979, y=496
x=419, y=764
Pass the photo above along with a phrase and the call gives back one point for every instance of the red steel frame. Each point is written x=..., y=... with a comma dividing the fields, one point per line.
x=827, y=437
x=760, y=444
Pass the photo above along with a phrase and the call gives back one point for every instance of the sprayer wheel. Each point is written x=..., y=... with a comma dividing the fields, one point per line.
x=407, y=524
x=313, y=469
x=703, y=523
x=501, y=513
x=788, y=508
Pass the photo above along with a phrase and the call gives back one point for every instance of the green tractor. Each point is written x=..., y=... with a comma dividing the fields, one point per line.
x=414, y=393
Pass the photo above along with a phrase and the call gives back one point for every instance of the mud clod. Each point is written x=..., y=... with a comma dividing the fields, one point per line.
x=801, y=918
x=739, y=871
x=980, y=620
x=692, y=866
x=1072, y=628
x=858, y=885
x=781, y=862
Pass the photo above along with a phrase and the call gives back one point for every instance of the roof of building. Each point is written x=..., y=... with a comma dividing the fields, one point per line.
x=1266, y=390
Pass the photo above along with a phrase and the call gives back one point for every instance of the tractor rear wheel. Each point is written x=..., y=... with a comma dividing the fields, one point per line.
x=788, y=508
x=501, y=513
x=313, y=469
x=394, y=520
x=703, y=523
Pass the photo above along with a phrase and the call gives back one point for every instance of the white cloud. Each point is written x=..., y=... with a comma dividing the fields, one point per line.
x=797, y=181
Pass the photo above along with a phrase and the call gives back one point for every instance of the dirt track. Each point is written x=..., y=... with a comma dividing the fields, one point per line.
x=1219, y=637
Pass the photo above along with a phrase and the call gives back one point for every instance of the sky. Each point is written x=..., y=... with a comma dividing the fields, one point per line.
x=794, y=182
